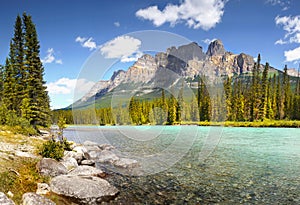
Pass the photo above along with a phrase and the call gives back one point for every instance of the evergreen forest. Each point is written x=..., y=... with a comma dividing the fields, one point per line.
x=24, y=101
x=259, y=96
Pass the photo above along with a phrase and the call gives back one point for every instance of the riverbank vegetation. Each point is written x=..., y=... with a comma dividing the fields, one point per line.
x=18, y=174
x=257, y=99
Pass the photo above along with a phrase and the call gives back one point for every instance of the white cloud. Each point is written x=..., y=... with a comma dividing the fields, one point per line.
x=59, y=61
x=50, y=58
x=283, y=3
x=124, y=47
x=132, y=58
x=67, y=86
x=87, y=42
x=196, y=14
x=80, y=39
x=280, y=42
x=292, y=55
x=291, y=26
x=117, y=24
x=208, y=41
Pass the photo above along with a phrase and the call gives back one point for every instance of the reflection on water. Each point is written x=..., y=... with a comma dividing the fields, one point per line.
x=249, y=165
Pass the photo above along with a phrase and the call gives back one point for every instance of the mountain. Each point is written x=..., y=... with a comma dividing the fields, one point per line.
x=163, y=69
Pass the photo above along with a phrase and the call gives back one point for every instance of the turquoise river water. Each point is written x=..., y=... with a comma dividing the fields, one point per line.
x=202, y=165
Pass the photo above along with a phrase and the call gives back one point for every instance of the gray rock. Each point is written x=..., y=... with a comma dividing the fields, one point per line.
x=107, y=156
x=87, y=171
x=83, y=190
x=91, y=155
x=90, y=143
x=74, y=154
x=25, y=154
x=88, y=162
x=245, y=63
x=187, y=52
x=50, y=167
x=106, y=147
x=42, y=188
x=70, y=163
x=215, y=48
x=126, y=163
x=35, y=199
x=4, y=200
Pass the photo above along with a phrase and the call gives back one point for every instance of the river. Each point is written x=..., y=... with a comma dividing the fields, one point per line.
x=202, y=165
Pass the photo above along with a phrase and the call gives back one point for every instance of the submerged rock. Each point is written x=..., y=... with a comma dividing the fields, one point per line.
x=84, y=170
x=88, y=162
x=107, y=156
x=35, y=199
x=83, y=190
x=126, y=163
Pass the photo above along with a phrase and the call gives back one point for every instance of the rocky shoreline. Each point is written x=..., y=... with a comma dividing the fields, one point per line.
x=77, y=176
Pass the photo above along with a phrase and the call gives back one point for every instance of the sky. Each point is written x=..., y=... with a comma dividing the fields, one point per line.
x=71, y=31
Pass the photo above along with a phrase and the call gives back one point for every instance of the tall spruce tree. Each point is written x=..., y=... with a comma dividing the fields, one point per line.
x=35, y=91
x=14, y=70
x=24, y=90
x=264, y=92
x=286, y=94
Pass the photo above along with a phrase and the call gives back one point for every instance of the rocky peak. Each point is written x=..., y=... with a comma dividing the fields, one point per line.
x=117, y=74
x=142, y=70
x=191, y=51
x=215, y=48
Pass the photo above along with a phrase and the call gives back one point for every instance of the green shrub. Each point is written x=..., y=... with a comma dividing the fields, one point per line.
x=52, y=149
x=66, y=145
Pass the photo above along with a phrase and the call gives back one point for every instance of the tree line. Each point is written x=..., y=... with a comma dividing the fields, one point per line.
x=23, y=96
x=258, y=96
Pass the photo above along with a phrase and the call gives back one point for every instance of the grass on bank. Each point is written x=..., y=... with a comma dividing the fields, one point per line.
x=266, y=123
x=18, y=175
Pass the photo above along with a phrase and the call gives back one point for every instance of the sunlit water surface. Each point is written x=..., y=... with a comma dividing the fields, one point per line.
x=248, y=165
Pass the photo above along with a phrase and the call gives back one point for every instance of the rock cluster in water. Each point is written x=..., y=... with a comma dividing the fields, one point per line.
x=76, y=177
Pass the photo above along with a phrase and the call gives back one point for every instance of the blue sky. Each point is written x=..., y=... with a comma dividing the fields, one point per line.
x=71, y=31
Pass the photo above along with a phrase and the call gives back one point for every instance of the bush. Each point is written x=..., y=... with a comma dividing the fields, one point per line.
x=66, y=145
x=52, y=149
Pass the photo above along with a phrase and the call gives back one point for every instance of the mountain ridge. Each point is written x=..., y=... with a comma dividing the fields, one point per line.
x=186, y=61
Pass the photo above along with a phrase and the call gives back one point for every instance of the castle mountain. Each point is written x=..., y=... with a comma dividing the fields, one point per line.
x=186, y=61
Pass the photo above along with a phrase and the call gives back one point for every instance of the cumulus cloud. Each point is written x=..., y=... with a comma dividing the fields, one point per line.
x=285, y=4
x=86, y=42
x=280, y=42
x=125, y=48
x=196, y=14
x=50, y=57
x=292, y=55
x=117, y=24
x=80, y=39
x=291, y=26
x=67, y=86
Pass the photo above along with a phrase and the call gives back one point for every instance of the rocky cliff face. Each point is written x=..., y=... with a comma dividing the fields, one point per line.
x=186, y=61
x=216, y=48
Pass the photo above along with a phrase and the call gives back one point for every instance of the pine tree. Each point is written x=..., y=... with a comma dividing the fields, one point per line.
x=264, y=90
x=286, y=94
x=180, y=103
x=14, y=70
x=172, y=110
x=228, y=96
x=35, y=89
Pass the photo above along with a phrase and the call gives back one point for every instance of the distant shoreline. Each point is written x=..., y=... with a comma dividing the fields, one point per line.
x=271, y=123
